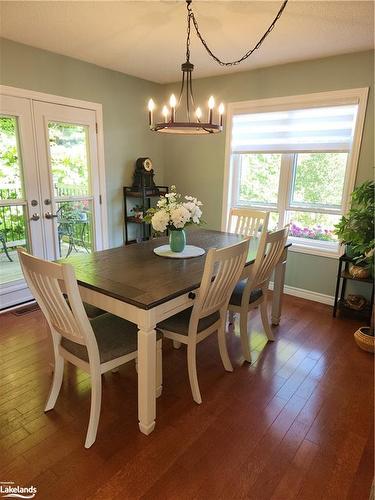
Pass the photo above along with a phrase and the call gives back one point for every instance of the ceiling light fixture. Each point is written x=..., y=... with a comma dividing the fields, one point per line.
x=197, y=124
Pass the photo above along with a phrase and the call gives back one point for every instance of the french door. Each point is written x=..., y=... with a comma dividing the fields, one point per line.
x=49, y=186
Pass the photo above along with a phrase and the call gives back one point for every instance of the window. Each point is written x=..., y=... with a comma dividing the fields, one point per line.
x=297, y=160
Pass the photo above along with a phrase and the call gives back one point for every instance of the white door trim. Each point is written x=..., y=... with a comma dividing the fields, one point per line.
x=67, y=101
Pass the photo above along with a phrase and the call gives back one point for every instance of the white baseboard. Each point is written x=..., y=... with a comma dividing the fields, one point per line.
x=307, y=294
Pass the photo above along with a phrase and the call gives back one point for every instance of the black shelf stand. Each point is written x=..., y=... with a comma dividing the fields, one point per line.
x=342, y=276
x=143, y=196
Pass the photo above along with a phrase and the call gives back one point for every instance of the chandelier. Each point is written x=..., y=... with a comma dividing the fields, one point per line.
x=194, y=123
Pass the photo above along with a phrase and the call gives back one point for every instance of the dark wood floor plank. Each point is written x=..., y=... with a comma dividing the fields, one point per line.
x=296, y=423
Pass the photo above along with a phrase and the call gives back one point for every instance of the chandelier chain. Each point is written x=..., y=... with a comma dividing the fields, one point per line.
x=188, y=31
x=191, y=17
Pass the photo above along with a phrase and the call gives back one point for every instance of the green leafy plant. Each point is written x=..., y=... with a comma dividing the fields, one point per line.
x=357, y=227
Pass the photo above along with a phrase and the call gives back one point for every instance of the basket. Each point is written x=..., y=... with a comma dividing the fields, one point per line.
x=364, y=341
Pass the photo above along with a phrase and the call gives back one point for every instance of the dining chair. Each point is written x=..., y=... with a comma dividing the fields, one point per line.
x=221, y=272
x=247, y=222
x=96, y=346
x=252, y=292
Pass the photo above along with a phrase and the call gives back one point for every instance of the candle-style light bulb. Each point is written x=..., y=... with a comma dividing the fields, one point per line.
x=165, y=113
x=151, y=107
x=198, y=113
x=172, y=103
x=211, y=104
x=221, y=112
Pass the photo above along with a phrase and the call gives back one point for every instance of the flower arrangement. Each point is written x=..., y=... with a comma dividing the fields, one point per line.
x=174, y=212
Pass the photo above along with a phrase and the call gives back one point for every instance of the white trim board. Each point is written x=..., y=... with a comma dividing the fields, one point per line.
x=307, y=294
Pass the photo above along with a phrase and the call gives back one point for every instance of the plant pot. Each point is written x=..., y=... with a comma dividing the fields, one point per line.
x=364, y=340
x=177, y=240
x=359, y=272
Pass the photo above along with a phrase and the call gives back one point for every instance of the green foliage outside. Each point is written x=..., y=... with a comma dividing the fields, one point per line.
x=68, y=159
x=318, y=183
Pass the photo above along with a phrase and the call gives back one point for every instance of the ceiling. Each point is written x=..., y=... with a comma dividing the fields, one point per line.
x=147, y=38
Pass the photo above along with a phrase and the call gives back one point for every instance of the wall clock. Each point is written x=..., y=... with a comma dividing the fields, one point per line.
x=144, y=174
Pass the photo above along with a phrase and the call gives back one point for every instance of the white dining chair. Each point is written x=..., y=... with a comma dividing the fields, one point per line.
x=221, y=272
x=252, y=292
x=96, y=346
x=247, y=222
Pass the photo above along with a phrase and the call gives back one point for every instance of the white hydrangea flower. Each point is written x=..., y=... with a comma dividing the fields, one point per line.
x=195, y=211
x=180, y=216
x=171, y=211
x=160, y=220
x=161, y=203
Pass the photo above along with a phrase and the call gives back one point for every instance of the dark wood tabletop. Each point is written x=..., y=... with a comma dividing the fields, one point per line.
x=134, y=274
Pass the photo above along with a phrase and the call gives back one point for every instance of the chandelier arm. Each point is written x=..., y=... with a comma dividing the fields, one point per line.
x=187, y=96
x=182, y=88
x=190, y=88
x=248, y=53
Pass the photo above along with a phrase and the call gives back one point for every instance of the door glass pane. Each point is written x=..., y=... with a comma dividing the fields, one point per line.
x=259, y=179
x=319, y=179
x=10, y=161
x=313, y=226
x=74, y=227
x=13, y=218
x=69, y=159
x=13, y=233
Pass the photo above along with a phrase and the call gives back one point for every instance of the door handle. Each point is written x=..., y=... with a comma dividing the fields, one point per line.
x=48, y=215
x=35, y=217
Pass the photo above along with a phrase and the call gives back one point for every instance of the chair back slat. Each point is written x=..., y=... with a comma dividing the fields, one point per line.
x=247, y=222
x=270, y=250
x=48, y=282
x=222, y=270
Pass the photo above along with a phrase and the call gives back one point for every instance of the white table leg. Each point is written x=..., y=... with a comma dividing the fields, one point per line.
x=278, y=288
x=146, y=378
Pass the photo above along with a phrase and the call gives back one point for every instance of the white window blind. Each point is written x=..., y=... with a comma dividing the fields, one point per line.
x=295, y=130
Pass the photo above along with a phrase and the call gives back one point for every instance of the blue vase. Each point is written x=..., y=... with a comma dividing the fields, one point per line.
x=177, y=240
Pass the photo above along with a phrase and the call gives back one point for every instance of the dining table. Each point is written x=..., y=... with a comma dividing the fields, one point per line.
x=134, y=283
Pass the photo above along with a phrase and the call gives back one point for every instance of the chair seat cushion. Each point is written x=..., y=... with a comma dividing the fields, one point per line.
x=236, y=297
x=179, y=323
x=115, y=337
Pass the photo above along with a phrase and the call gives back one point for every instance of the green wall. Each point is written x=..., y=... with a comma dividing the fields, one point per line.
x=124, y=99
x=196, y=164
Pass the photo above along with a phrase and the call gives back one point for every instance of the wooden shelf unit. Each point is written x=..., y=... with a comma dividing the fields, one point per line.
x=342, y=276
x=144, y=197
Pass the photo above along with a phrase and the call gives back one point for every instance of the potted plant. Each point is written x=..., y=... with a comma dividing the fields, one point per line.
x=356, y=230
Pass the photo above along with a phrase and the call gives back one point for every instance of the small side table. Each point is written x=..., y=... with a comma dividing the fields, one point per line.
x=343, y=275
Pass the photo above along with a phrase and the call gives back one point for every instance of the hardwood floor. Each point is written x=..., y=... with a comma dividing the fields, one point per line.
x=297, y=423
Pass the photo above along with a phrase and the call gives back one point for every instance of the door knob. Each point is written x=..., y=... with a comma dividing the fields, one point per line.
x=35, y=217
x=48, y=215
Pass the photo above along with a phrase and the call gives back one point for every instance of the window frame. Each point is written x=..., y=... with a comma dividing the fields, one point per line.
x=357, y=96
